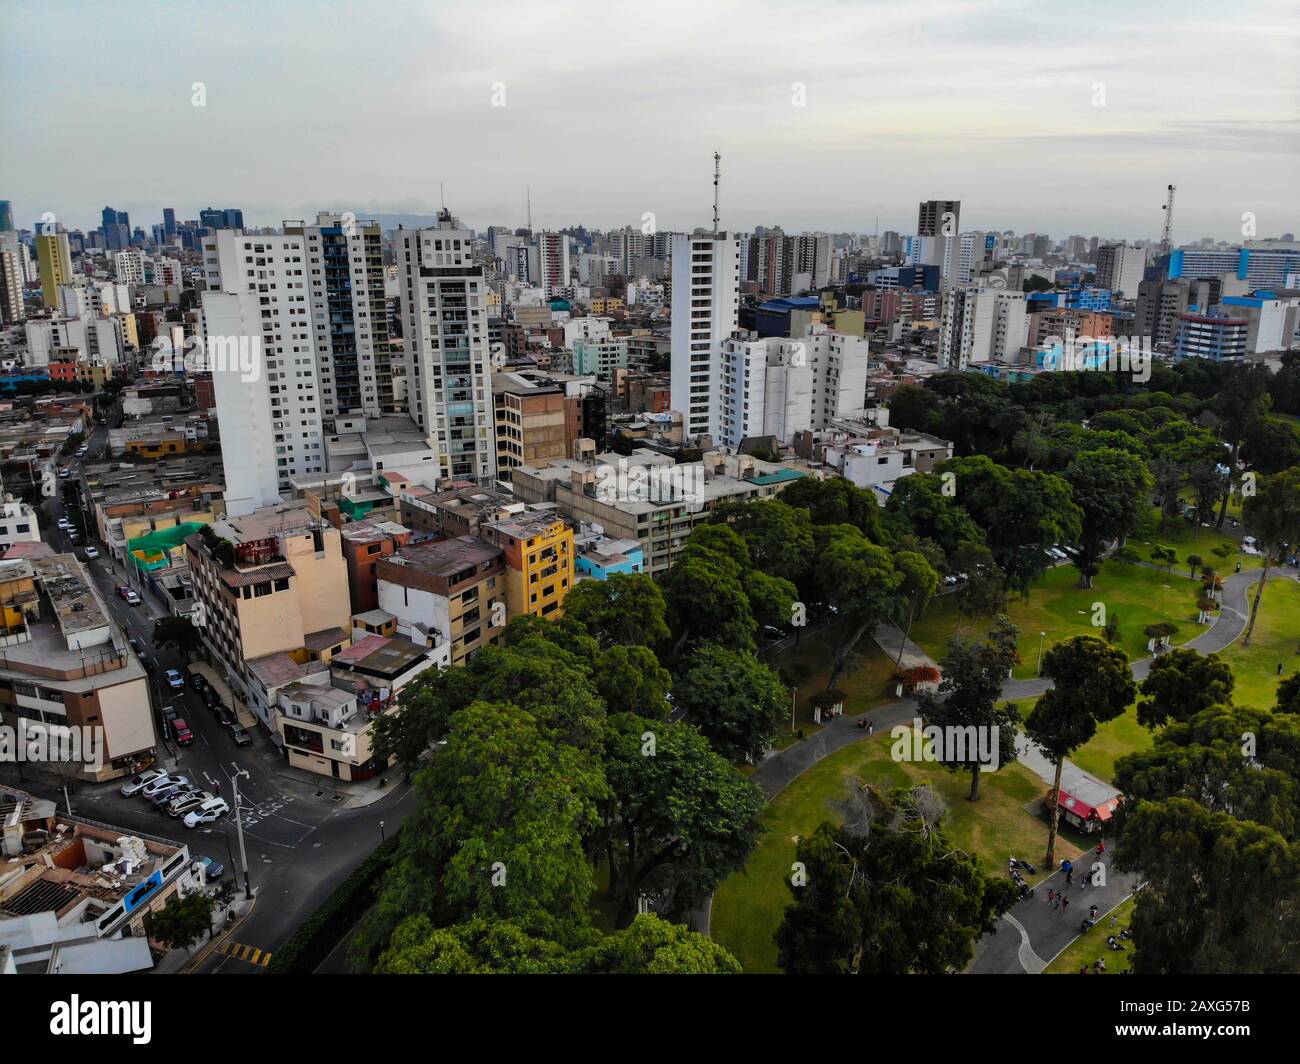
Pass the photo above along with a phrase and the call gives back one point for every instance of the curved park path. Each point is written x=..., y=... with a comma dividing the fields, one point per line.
x=1041, y=932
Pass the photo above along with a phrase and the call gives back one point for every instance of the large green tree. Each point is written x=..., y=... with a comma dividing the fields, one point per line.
x=897, y=900
x=678, y=817
x=1272, y=515
x=733, y=699
x=1091, y=684
x=967, y=699
x=1111, y=488
x=626, y=609
x=1180, y=684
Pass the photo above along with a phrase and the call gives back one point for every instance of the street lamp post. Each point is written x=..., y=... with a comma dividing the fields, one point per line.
x=1041, y=637
x=239, y=827
x=382, y=836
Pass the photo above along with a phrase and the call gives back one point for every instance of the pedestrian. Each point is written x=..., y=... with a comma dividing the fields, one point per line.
x=1279, y=668
x=1051, y=894
x=871, y=727
x=1092, y=912
x=1100, y=966
x=1114, y=920
x=1083, y=970
x=1065, y=904
x=1069, y=876
x=1239, y=567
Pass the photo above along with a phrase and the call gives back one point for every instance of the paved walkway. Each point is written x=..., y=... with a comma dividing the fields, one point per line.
x=1036, y=935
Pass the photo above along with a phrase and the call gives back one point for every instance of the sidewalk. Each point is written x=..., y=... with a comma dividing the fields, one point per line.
x=1032, y=933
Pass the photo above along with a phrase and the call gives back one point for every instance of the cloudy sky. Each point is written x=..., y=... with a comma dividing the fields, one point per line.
x=1039, y=116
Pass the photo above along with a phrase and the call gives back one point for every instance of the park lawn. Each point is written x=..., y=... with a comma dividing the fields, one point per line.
x=807, y=666
x=1092, y=944
x=749, y=905
x=1274, y=641
x=1114, y=739
x=1187, y=538
x=1136, y=595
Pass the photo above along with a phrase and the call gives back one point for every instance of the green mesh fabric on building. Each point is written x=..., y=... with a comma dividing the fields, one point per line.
x=151, y=551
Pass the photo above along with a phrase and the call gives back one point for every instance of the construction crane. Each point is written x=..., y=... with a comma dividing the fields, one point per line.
x=1167, y=238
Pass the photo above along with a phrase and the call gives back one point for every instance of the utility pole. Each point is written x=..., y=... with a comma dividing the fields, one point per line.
x=239, y=827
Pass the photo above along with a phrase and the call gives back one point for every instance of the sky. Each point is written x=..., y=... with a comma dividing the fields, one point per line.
x=1046, y=117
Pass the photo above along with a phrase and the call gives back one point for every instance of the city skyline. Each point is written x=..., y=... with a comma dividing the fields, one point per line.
x=866, y=109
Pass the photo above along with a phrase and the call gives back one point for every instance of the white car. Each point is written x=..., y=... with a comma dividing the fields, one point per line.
x=161, y=783
x=91, y=554
x=207, y=812
x=138, y=782
x=64, y=523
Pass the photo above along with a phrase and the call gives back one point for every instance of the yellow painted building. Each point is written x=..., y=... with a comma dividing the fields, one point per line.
x=55, y=261
x=538, y=550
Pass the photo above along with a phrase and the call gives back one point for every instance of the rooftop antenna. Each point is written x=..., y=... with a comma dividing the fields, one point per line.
x=1167, y=237
x=717, y=177
x=442, y=194
x=529, y=194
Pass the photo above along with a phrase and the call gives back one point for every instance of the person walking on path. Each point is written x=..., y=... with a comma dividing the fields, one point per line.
x=1065, y=904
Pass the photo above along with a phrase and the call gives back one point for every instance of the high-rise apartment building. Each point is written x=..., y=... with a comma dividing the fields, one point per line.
x=345, y=273
x=55, y=262
x=11, y=289
x=257, y=327
x=448, y=361
x=777, y=386
x=705, y=312
x=117, y=229
x=551, y=251
x=1120, y=268
x=938, y=224
x=981, y=325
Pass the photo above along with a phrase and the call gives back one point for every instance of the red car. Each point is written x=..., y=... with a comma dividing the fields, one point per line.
x=182, y=732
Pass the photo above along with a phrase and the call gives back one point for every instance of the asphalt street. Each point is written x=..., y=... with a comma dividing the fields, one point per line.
x=300, y=842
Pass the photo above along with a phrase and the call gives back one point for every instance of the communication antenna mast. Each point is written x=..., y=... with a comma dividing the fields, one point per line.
x=717, y=176
x=530, y=211
x=1167, y=238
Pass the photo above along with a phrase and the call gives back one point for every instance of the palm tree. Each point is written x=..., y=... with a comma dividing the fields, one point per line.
x=1272, y=515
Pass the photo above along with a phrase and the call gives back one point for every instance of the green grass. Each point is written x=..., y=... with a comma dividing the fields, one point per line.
x=1092, y=944
x=1274, y=641
x=1114, y=739
x=748, y=906
x=807, y=667
x=1187, y=538
x=1136, y=595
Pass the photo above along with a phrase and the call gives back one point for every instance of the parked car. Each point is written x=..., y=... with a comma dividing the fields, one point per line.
x=211, y=870
x=128, y=595
x=210, y=696
x=171, y=713
x=772, y=632
x=182, y=731
x=138, y=782
x=174, y=679
x=211, y=810
x=149, y=665
x=161, y=783
x=64, y=523
x=64, y=472
x=91, y=554
x=136, y=645
x=197, y=681
x=227, y=717
x=180, y=804
x=240, y=735
x=167, y=795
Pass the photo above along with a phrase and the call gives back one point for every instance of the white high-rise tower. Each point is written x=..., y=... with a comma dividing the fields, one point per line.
x=448, y=362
